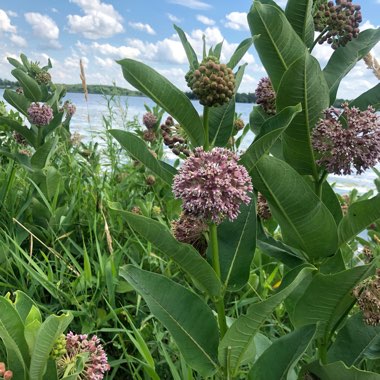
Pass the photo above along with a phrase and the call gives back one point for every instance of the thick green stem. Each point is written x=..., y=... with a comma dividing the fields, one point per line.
x=206, y=145
x=39, y=136
x=317, y=39
x=322, y=351
x=219, y=303
x=319, y=184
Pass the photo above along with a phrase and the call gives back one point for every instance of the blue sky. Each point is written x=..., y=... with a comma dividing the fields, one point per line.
x=100, y=32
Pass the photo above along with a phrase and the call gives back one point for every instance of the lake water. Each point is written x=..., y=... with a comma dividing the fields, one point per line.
x=88, y=122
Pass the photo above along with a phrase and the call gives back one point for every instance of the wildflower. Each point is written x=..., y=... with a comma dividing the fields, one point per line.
x=265, y=96
x=340, y=22
x=59, y=347
x=136, y=210
x=340, y=147
x=149, y=135
x=239, y=124
x=149, y=120
x=40, y=114
x=174, y=137
x=95, y=359
x=213, y=83
x=150, y=180
x=212, y=185
x=20, y=90
x=70, y=108
x=368, y=296
x=26, y=152
x=43, y=77
x=191, y=230
x=156, y=211
x=76, y=139
x=19, y=138
x=263, y=210
x=8, y=375
x=2, y=368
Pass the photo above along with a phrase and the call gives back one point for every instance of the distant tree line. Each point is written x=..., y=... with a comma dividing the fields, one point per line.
x=241, y=97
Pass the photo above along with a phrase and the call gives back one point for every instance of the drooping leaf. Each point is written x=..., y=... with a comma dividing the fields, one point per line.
x=190, y=321
x=190, y=53
x=303, y=83
x=18, y=101
x=240, y=52
x=353, y=341
x=278, y=45
x=338, y=370
x=42, y=154
x=237, y=242
x=299, y=14
x=48, y=333
x=302, y=216
x=368, y=98
x=239, y=336
x=270, y=131
x=345, y=58
x=286, y=351
x=31, y=88
x=139, y=151
x=183, y=254
x=166, y=95
x=221, y=123
x=359, y=215
x=328, y=298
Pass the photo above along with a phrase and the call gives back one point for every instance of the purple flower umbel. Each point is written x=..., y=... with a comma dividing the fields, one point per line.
x=265, y=96
x=149, y=120
x=212, y=185
x=95, y=359
x=357, y=143
x=40, y=114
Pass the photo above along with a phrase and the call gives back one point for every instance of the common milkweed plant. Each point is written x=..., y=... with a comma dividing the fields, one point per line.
x=331, y=296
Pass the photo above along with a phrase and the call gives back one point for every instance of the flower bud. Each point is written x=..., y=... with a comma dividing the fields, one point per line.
x=8, y=375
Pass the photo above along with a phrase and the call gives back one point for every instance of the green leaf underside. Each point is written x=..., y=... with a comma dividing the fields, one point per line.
x=166, y=95
x=302, y=216
x=221, y=123
x=190, y=53
x=139, y=151
x=238, y=338
x=239, y=53
x=368, y=98
x=183, y=254
x=190, y=321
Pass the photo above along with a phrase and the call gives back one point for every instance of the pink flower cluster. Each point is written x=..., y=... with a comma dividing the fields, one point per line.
x=212, y=185
x=70, y=108
x=149, y=120
x=346, y=139
x=265, y=96
x=40, y=114
x=96, y=364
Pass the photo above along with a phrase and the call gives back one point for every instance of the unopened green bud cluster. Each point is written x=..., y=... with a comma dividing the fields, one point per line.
x=40, y=75
x=339, y=21
x=213, y=83
x=59, y=348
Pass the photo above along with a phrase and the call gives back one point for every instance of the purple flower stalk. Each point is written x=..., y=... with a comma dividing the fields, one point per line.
x=40, y=114
x=149, y=120
x=96, y=363
x=355, y=144
x=212, y=185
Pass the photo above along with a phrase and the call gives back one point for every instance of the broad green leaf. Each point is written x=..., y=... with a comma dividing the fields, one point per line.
x=239, y=336
x=359, y=215
x=53, y=182
x=257, y=118
x=368, y=98
x=30, y=332
x=221, y=123
x=277, y=249
x=240, y=52
x=42, y=154
x=190, y=53
x=22, y=129
x=330, y=199
x=218, y=50
x=345, y=58
x=187, y=317
x=333, y=264
x=328, y=298
x=239, y=76
x=51, y=371
x=23, y=305
x=237, y=242
x=183, y=254
x=270, y=131
x=302, y=83
x=15, y=63
x=278, y=45
x=299, y=14
x=12, y=335
x=24, y=60
x=337, y=370
x=353, y=341
x=54, y=124
x=31, y=88
x=166, y=95
x=18, y=101
x=139, y=151
x=48, y=333
x=286, y=351
x=302, y=216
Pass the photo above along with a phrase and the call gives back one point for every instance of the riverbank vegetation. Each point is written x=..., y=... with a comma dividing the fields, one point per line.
x=165, y=252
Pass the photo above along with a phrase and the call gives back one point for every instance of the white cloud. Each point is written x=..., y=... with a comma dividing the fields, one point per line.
x=18, y=40
x=54, y=10
x=193, y=4
x=236, y=21
x=101, y=20
x=116, y=51
x=5, y=23
x=105, y=62
x=44, y=28
x=143, y=27
x=12, y=14
x=205, y=20
x=173, y=18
